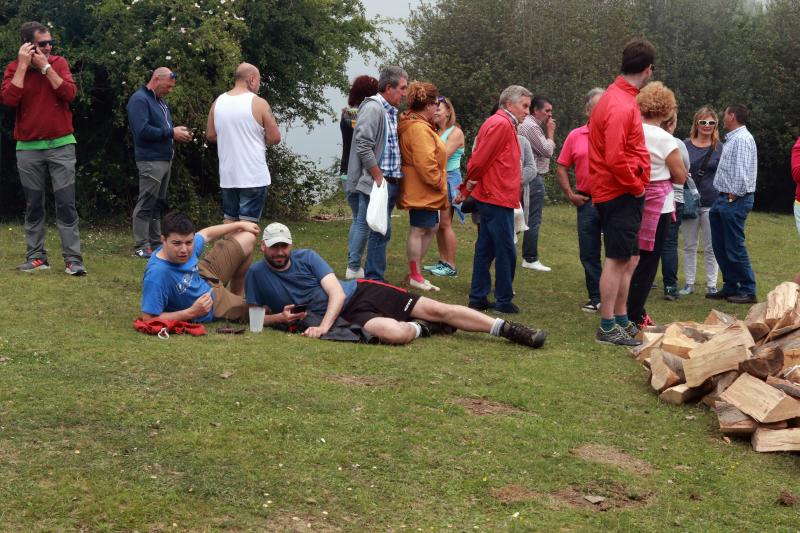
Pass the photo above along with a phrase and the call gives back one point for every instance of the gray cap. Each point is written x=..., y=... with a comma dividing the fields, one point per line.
x=276, y=233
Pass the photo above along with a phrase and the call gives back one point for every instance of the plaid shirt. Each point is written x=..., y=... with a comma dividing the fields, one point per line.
x=738, y=164
x=390, y=162
x=542, y=147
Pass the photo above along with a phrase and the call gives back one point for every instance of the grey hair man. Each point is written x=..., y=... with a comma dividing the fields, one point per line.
x=575, y=154
x=242, y=125
x=154, y=135
x=494, y=180
x=39, y=86
x=374, y=158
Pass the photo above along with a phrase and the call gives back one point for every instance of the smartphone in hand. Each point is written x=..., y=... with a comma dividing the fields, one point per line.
x=300, y=308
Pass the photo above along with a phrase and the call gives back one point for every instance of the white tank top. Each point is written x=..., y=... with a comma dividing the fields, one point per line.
x=240, y=143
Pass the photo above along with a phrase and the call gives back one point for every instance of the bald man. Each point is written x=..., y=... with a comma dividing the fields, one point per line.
x=154, y=137
x=242, y=125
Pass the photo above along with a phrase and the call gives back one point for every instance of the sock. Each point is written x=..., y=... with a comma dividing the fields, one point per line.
x=622, y=320
x=417, y=328
x=413, y=271
x=497, y=327
x=607, y=324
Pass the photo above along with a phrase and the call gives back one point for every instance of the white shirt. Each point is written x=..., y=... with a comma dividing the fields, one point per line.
x=660, y=144
x=240, y=143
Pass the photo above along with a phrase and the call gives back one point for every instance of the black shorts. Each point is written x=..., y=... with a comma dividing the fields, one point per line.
x=377, y=299
x=620, y=219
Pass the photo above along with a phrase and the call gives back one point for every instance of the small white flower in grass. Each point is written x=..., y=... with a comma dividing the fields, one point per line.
x=322, y=440
x=325, y=513
x=515, y=515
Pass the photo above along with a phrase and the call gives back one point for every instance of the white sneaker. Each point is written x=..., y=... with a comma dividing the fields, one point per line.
x=536, y=265
x=423, y=285
x=354, y=274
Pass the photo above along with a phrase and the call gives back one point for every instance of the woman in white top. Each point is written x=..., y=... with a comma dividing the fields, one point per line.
x=657, y=104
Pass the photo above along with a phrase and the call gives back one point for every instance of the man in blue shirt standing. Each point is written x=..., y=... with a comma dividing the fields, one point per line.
x=150, y=121
x=179, y=284
x=736, y=182
x=288, y=278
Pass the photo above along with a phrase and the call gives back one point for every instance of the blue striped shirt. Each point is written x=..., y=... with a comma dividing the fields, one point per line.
x=390, y=162
x=738, y=164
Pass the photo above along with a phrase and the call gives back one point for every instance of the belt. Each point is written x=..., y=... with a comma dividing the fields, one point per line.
x=393, y=181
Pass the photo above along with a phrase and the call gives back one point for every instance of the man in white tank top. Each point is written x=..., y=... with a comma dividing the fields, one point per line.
x=242, y=125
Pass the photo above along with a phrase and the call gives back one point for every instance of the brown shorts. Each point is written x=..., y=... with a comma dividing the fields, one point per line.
x=217, y=267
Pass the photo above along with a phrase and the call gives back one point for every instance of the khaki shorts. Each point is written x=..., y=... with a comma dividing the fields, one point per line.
x=217, y=267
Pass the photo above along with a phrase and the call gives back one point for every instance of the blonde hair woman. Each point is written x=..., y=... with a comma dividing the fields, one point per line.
x=705, y=149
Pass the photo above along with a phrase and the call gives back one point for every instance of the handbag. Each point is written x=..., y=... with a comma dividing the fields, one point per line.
x=378, y=208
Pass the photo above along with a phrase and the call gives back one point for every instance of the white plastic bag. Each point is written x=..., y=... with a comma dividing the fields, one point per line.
x=519, y=221
x=378, y=208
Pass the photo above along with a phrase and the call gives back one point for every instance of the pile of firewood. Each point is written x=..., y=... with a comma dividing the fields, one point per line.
x=747, y=371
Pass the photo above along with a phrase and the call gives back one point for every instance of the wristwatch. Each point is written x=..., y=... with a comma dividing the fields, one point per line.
x=45, y=69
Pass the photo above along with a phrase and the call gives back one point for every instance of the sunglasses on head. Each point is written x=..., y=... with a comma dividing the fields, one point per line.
x=707, y=122
x=440, y=99
x=42, y=44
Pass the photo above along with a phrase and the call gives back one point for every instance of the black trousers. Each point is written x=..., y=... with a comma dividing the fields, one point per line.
x=645, y=273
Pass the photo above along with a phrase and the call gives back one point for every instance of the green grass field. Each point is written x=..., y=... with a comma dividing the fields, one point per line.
x=106, y=429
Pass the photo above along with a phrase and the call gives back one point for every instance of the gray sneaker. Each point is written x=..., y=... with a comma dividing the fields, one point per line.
x=616, y=336
x=33, y=265
x=75, y=268
x=631, y=329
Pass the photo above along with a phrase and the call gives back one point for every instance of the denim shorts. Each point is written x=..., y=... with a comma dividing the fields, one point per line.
x=243, y=204
x=453, y=181
x=420, y=218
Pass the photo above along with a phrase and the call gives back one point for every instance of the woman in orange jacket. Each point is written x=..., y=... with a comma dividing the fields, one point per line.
x=423, y=189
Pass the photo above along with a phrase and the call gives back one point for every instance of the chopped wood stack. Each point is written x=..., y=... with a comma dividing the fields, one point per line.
x=747, y=371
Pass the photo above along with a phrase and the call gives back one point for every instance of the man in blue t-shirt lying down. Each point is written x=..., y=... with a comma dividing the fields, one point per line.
x=180, y=285
x=286, y=278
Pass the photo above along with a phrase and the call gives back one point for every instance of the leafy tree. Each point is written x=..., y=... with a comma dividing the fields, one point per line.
x=301, y=46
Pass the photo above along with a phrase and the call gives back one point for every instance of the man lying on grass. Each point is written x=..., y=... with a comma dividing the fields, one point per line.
x=180, y=285
x=288, y=277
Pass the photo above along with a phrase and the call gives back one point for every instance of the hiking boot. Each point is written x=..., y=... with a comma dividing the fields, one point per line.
x=616, y=336
x=32, y=265
x=523, y=334
x=444, y=269
x=434, y=328
x=75, y=268
x=590, y=307
x=671, y=293
x=143, y=253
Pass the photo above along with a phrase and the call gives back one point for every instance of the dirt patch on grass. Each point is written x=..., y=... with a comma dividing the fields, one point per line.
x=482, y=406
x=608, y=496
x=514, y=494
x=297, y=523
x=361, y=381
x=608, y=455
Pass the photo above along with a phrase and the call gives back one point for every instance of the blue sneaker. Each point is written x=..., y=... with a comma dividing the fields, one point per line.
x=431, y=268
x=686, y=290
x=444, y=269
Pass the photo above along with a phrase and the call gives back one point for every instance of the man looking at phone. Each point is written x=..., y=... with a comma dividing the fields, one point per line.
x=179, y=284
x=539, y=128
x=242, y=125
x=154, y=135
x=39, y=86
x=290, y=277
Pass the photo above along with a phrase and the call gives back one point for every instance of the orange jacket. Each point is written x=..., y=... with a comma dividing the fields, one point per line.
x=424, y=163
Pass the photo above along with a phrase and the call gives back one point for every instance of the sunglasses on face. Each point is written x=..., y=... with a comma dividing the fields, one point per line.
x=43, y=44
x=707, y=122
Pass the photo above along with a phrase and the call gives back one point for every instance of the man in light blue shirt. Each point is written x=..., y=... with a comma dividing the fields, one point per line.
x=736, y=182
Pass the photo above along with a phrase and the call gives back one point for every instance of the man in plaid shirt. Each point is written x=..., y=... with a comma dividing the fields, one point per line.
x=736, y=182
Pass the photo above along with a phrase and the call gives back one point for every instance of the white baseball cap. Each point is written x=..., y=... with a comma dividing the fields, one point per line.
x=276, y=233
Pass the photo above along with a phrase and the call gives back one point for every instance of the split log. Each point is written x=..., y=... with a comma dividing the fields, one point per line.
x=735, y=335
x=680, y=394
x=732, y=421
x=703, y=366
x=675, y=341
x=781, y=300
x=792, y=374
x=781, y=440
x=789, y=323
x=761, y=401
x=650, y=341
x=792, y=389
x=756, y=320
x=662, y=375
x=719, y=318
x=765, y=362
x=791, y=351
x=718, y=384
x=674, y=363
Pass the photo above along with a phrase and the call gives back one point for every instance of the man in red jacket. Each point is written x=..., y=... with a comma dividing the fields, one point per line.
x=619, y=164
x=493, y=179
x=40, y=87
